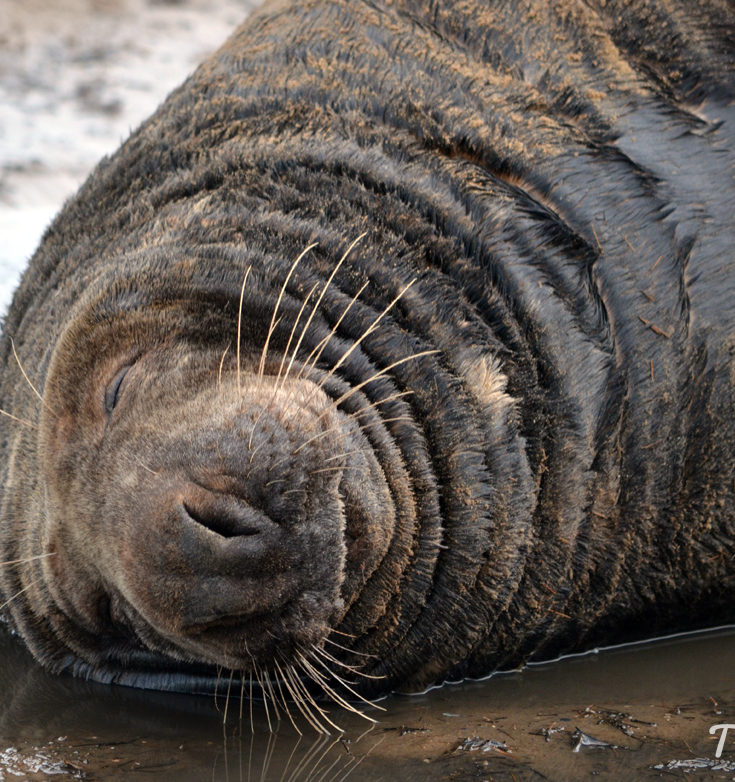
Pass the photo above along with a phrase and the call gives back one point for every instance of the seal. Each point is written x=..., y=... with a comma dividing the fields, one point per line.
x=401, y=339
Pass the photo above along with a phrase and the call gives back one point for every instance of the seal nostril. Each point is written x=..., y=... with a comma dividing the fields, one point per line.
x=229, y=523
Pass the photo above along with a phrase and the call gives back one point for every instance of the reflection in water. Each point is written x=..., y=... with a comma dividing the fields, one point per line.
x=653, y=703
x=59, y=725
x=290, y=758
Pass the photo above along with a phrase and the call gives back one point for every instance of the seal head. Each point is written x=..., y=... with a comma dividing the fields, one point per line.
x=197, y=507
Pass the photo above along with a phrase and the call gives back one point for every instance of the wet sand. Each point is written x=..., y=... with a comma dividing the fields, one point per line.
x=637, y=713
x=75, y=77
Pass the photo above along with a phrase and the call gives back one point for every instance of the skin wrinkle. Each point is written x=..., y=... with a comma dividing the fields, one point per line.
x=540, y=461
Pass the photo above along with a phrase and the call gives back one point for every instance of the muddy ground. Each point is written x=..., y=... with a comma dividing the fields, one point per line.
x=638, y=713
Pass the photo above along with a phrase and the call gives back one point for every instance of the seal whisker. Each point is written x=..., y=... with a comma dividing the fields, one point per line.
x=341, y=434
x=319, y=301
x=274, y=696
x=290, y=491
x=28, y=380
x=352, y=668
x=257, y=421
x=290, y=339
x=320, y=347
x=338, y=677
x=239, y=325
x=145, y=466
x=319, y=678
x=342, y=633
x=303, y=704
x=299, y=705
x=265, y=699
x=242, y=695
x=252, y=722
x=252, y=434
x=21, y=591
x=406, y=419
x=369, y=330
x=389, y=398
x=221, y=363
x=261, y=365
x=380, y=373
x=309, y=700
x=274, y=482
x=324, y=433
x=27, y=559
x=311, y=704
x=23, y=421
x=348, y=351
x=347, y=649
x=227, y=697
x=283, y=698
x=342, y=455
x=269, y=685
x=216, y=686
x=320, y=651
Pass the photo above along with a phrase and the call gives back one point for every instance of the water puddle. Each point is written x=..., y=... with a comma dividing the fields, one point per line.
x=641, y=713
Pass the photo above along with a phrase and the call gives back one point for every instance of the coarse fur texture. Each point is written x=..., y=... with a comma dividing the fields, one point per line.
x=401, y=337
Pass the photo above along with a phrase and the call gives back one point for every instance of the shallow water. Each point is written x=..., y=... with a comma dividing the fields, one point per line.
x=65, y=100
x=649, y=706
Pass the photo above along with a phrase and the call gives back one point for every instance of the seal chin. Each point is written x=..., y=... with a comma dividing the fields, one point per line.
x=236, y=536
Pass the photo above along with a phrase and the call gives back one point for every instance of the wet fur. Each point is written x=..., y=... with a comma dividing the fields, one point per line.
x=545, y=193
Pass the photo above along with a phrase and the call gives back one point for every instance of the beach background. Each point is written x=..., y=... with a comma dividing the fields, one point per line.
x=76, y=76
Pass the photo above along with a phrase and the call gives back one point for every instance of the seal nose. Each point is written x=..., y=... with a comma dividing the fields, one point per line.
x=204, y=564
x=225, y=516
x=220, y=534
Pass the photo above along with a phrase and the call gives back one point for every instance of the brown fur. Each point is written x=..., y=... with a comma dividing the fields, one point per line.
x=402, y=333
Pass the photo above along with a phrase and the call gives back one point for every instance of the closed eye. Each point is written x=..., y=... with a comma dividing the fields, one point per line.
x=114, y=390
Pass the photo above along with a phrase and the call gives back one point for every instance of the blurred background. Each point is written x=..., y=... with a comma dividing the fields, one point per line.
x=76, y=76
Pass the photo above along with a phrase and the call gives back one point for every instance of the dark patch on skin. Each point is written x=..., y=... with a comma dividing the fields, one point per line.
x=542, y=458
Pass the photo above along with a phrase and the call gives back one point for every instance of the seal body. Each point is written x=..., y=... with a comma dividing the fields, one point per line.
x=401, y=334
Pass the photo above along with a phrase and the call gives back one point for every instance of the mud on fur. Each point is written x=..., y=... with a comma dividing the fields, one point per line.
x=397, y=346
